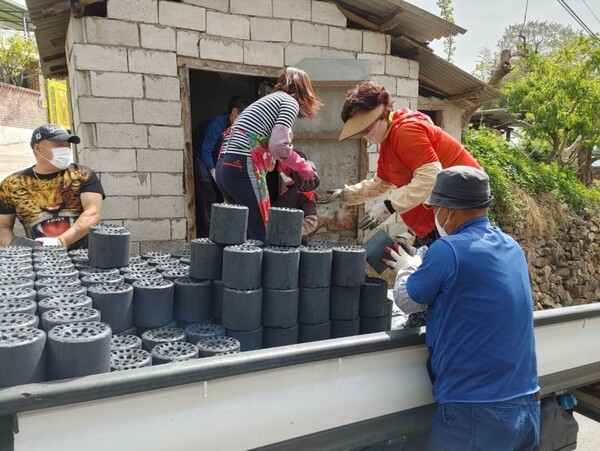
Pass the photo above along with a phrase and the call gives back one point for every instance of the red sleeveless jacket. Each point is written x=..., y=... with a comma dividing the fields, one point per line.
x=412, y=141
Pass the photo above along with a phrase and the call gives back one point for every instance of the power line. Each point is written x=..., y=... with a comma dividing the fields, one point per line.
x=590, y=9
x=563, y=3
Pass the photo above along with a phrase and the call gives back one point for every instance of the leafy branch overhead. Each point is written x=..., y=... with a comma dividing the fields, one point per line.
x=550, y=77
x=560, y=95
x=17, y=53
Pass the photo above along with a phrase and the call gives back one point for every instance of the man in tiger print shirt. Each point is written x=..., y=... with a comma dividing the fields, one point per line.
x=55, y=200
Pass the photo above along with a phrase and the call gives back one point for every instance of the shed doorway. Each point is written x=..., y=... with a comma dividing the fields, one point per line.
x=210, y=93
x=206, y=87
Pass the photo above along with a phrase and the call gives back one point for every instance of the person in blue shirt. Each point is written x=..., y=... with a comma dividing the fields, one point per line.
x=206, y=143
x=479, y=331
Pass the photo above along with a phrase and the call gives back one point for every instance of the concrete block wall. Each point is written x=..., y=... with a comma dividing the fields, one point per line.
x=126, y=98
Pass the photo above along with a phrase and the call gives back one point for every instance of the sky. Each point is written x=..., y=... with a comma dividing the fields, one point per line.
x=486, y=20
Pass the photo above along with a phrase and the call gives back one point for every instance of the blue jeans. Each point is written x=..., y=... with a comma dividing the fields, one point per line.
x=502, y=426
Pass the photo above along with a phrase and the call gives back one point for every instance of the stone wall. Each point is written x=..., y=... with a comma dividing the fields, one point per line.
x=565, y=268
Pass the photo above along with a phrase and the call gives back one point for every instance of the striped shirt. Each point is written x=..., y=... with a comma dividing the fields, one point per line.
x=277, y=108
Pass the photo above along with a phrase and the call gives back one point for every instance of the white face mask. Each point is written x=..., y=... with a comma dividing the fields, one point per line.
x=62, y=157
x=439, y=227
x=378, y=132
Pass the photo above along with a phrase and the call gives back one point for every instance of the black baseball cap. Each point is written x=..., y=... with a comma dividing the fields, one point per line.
x=52, y=132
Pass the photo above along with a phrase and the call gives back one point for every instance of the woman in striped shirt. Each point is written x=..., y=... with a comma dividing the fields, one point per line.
x=260, y=136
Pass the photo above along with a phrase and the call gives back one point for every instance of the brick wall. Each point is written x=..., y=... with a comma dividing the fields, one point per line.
x=20, y=107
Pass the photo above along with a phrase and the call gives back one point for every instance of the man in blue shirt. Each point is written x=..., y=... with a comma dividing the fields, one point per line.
x=206, y=143
x=479, y=331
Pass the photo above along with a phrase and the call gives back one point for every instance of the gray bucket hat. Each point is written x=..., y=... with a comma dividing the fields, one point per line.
x=461, y=188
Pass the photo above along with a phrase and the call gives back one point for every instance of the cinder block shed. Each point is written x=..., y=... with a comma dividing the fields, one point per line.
x=143, y=73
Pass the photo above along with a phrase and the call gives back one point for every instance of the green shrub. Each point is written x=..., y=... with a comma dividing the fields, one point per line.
x=510, y=166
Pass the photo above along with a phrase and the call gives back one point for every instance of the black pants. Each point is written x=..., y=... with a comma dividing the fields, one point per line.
x=206, y=193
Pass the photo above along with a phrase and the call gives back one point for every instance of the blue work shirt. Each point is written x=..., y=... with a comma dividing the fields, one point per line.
x=480, y=331
x=207, y=137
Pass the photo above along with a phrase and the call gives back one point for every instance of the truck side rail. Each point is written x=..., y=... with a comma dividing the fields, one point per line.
x=52, y=394
x=281, y=395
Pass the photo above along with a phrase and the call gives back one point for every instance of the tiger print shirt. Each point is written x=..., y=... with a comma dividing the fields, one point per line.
x=48, y=204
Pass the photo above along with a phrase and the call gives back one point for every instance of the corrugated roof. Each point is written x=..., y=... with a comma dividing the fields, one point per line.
x=51, y=20
x=497, y=118
x=442, y=78
x=14, y=16
x=412, y=28
x=398, y=18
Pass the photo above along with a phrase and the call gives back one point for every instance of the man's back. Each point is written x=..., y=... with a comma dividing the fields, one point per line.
x=207, y=138
x=480, y=327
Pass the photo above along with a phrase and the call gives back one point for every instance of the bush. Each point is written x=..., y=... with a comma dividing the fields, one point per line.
x=510, y=166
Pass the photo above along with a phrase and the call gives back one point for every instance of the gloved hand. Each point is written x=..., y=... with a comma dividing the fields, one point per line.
x=334, y=195
x=400, y=259
x=309, y=185
x=47, y=241
x=410, y=250
x=375, y=216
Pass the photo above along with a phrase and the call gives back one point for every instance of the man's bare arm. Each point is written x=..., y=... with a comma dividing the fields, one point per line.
x=7, y=224
x=92, y=213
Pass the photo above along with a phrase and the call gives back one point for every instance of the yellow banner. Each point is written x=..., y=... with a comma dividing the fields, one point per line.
x=59, y=111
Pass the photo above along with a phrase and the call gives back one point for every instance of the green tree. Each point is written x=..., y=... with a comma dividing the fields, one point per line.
x=517, y=41
x=17, y=52
x=541, y=38
x=447, y=13
x=560, y=94
x=484, y=65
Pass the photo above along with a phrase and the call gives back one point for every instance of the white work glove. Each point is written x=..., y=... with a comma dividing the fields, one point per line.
x=375, y=216
x=334, y=196
x=400, y=259
x=47, y=241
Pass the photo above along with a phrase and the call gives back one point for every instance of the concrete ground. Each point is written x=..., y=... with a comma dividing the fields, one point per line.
x=588, y=438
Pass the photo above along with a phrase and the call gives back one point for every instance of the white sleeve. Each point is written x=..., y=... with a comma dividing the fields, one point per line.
x=416, y=192
x=365, y=190
x=401, y=297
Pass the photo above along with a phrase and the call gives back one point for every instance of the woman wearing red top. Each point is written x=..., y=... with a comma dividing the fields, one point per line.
x=412, y=150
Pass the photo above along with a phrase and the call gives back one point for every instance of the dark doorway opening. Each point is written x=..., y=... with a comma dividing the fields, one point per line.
x=210, y=92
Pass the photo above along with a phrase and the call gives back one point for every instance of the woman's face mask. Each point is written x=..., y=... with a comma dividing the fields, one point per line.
x=376, y=133
x=62, y=157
